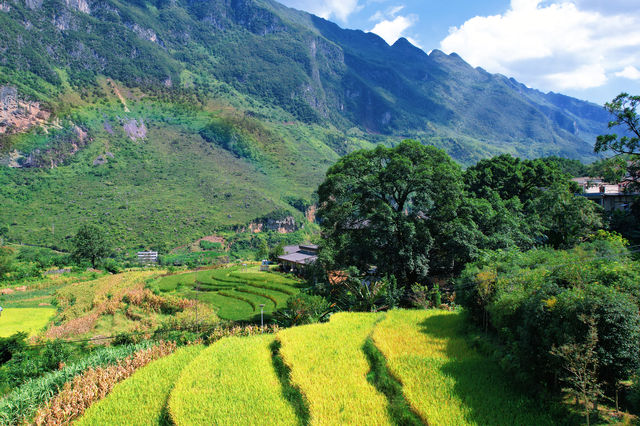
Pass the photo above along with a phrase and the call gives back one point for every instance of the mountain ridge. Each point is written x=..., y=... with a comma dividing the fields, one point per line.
x=244, y=103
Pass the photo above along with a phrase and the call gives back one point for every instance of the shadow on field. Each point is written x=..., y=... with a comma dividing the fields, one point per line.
x=289, y=390
x=490, y=396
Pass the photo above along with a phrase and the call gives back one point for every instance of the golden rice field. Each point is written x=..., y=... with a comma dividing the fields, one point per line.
x=329, y=367
x=322, y=374
x=444, y=380
x=28, y=320
x=142, y=399
x=232, y=382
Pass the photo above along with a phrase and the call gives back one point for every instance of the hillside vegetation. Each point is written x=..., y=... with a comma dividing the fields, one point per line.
x=169, y=121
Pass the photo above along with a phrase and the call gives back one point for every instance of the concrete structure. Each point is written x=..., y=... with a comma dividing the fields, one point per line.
x=296, y=258
x=610, y=196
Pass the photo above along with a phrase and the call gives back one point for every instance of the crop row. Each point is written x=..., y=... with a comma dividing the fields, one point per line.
x=23, y=402
x=231, y=382
x=141, y=400
x=96, y=383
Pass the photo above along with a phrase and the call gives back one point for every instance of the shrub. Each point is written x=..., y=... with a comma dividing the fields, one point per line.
x=534, y=301
x=303, y=308
x=112, y=266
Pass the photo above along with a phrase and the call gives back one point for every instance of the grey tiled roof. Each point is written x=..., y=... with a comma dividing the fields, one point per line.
x=299, y=258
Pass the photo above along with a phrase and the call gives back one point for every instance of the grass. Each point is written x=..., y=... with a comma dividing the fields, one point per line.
x=328, y=366
x=444, y=380
x=142, y=398
x=28, y=320
x=231, y=382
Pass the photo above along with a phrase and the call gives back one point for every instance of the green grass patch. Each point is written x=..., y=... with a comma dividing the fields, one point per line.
x=28, y=320
x=232, y=382
x=142, y=399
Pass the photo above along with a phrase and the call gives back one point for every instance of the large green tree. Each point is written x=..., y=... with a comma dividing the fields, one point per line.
x=623, y=108
x=90, y=243
x=396, y=209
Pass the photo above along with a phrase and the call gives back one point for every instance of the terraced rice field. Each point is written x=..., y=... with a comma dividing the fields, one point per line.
x=232, y=382
x=141, y=400
x=321, y=374
x=446, y=381
x=28, y=320
x=236, y=293
x=329, y=367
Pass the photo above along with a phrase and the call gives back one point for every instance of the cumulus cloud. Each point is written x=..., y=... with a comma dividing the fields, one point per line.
x=629, y=72
x=573, y=44
x=391, y=26
x=392, y=30
x=328, y=9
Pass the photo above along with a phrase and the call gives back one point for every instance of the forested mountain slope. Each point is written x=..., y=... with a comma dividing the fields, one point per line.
x=167, y=120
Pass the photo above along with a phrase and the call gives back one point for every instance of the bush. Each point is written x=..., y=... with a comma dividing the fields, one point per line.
x=303, y=308
x=534, y=301
x=112, y=266
x=208, y=245
x=11, y=345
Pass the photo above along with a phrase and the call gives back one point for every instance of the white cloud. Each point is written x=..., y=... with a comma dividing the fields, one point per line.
x=629, y=72
x=391, y=26
x=340, y=9
x=566, y=44
x=392, y=30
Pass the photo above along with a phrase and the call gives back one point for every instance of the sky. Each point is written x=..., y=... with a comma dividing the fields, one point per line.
x=589, y=49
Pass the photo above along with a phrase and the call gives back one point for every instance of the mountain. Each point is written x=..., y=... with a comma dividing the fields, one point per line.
x=169, y=120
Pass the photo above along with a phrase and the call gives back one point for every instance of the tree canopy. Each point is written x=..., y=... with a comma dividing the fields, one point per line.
x=392, y=208
x=90, y=243
x=627, y=144
x=411, y=212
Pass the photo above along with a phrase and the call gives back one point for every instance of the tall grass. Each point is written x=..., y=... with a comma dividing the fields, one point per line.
x=233, y=382
x=328, y=366
x=142, y=399
x=446, y=381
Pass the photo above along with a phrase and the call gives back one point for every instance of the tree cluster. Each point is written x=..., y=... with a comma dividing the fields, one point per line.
x=541, y=303
x=410, y=212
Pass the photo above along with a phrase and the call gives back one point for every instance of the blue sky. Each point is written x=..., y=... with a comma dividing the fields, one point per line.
x=589, y=49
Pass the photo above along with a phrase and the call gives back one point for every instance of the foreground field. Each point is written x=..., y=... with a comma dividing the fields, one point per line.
x=141, y=400
x=28, y=320
x=321, y=374
x=444, y=380
x=232, y=382
x=329, y=367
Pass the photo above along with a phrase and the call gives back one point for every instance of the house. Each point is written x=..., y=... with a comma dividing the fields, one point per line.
x=296, y=258
x=611, y=197
x=147, y=256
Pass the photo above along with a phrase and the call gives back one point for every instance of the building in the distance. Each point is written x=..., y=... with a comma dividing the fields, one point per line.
x=148, y=256
x=610, y=196
x=296, y=258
